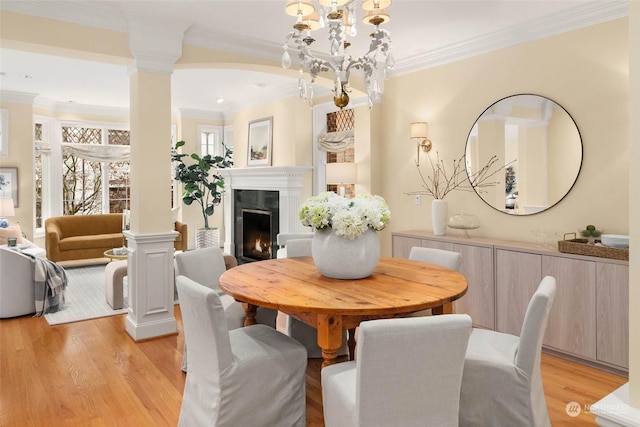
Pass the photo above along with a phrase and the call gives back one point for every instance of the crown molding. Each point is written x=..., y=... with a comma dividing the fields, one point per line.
x=17, y=97
x=577, y=17
x=96, y=110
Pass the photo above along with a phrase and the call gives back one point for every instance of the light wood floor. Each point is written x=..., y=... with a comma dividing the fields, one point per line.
x=93, y=373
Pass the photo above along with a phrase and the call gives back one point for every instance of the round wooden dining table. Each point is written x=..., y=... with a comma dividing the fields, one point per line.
x=294, y=286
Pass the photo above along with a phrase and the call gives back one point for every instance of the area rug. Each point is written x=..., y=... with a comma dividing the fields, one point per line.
x=84, y=297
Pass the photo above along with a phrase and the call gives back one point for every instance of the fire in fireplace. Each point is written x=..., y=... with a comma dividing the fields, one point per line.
x=257, y=231
x=256, y=224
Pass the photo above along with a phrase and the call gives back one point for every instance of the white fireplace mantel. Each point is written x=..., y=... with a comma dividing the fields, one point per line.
x=286, y=180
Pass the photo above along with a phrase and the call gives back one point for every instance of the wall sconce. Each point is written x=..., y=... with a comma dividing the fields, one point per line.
x=340, y=174
x=420, y=132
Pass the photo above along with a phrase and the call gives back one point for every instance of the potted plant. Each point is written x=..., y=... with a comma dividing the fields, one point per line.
x=345, y=243
x=202, y=184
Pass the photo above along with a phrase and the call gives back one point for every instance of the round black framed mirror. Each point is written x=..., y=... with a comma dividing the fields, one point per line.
x=538, y=143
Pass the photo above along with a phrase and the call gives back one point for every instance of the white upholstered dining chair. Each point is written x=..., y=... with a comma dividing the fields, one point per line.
x=283, y=238
x=251, y=376
x=205, y=266
x=501, y=383
x=407, y=372
x=302, y=332
x=447, y=259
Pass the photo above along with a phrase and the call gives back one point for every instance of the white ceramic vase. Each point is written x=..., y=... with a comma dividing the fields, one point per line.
x=439, y=210
x=341, y=258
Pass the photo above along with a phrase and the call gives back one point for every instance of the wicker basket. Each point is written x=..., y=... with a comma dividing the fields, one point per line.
x=582, y=247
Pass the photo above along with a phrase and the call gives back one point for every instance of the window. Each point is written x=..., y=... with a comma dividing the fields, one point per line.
x=119, y=175
x=81, y=179
x=211, y=140
x=42, y=170
x=336, y=122
x=67, y=183
x=38, y=167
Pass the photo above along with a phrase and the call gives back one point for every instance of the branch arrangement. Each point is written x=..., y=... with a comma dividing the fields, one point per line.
x=442, y=182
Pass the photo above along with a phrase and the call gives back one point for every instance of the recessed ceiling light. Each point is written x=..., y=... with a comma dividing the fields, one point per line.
x=2, y=73
x=261, y=85
x=27, y=76
x=220, y=100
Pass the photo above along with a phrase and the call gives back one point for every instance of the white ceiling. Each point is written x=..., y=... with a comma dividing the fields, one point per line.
x=424, y=33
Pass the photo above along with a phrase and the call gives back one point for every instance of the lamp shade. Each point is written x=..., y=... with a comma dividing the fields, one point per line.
x=376, y=17
x=419, y=130
x=341, y=173
x=299, y=7
x=6, y=207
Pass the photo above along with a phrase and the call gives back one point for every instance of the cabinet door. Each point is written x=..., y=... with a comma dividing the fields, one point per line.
x=401, y=246
x=572, y=322
x=479, y=301
x=518, y=275
x=612, y=301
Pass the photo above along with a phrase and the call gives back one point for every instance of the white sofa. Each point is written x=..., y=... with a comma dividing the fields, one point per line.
x=17, y=291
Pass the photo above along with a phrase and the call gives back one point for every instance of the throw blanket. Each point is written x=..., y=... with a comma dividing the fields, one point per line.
x=50, y=284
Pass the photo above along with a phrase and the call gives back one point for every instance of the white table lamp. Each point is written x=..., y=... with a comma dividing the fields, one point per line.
x=6, y=209
x=340, y=174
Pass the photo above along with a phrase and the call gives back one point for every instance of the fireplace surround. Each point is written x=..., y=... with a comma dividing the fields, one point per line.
x=286, y=181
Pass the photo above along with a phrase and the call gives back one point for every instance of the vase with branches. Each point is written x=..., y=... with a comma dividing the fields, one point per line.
x=443, y=180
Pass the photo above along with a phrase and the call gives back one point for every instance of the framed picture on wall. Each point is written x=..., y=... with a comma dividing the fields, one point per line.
x=9, y=184
x=4, y=132
x=260, y=142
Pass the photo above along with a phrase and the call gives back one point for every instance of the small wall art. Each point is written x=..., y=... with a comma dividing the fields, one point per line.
x=260, y=142
x=9, y=184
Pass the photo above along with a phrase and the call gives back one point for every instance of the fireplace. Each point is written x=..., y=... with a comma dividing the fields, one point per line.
x=282, y=185
x=257, y=219
x=256, y=234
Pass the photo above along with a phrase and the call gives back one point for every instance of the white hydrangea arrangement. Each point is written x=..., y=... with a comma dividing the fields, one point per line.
x=349, y=218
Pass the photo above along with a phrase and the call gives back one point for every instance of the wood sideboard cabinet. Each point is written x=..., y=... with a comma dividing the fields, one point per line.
x=590, y=315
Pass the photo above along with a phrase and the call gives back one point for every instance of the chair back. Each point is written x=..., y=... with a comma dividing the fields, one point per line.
x=299, y=247
x=447, y=259
x=409, y=371
x=204, y=266
x=17, y=290
x=282, y=238
x=534, y=325
x=205, y=331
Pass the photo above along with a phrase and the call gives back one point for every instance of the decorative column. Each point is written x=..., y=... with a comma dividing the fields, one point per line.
x=150, y=241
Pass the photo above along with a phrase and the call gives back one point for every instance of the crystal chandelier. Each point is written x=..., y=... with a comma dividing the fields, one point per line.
x=340, y=18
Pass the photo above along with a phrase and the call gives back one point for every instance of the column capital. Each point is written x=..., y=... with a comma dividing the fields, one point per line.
x=156, y=46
